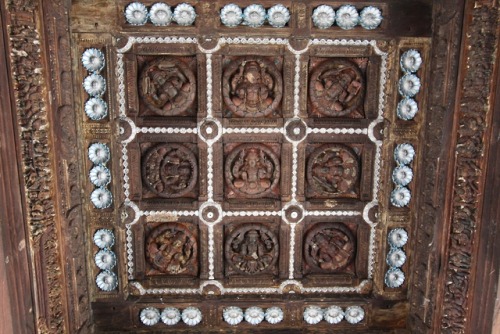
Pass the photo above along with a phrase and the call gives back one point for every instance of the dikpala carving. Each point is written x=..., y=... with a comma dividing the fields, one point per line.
x=172, y=249
x=169, y=170
x=252, y=87
x=167, y=86
x=252, y=249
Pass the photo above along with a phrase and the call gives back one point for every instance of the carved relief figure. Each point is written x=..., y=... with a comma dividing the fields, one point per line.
x=252, y=87
x=167, y=86
x=251, y=249
x=336, y=87
x=172, y=249
x=329, y=247
x=252, y=170
x=169, y=170
x=333, y=171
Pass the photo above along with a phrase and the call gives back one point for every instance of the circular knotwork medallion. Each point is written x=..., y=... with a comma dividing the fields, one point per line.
x=329, y=247
x=252, y=249
x=252, y=170
x=167, y=86
x=172, y=249
x=333, y=171
x=252, y=87
x=169, y=170
x=336, y=87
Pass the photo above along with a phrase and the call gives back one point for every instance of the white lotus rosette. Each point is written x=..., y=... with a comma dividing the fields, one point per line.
x=347, y=17
x=400, y=197
x=409, y=85
x=394, y=278
x=100, y=176
x=274, y=315
x=233, y=315
x=93, y=60
x=407, y=109
x=107, y=280
x=254, y=315
x=323, y=16
x=231, y=15
x=170, y=316
x=105, y=259
x=94, y=85
x=370, y=17
x=278, y=16
x=313, y=315
x=396, y=258
x=104, y=238
x=96, y=108
x=404, y=153
x=150, y=316
x=191, y=316
x=184, y=14
x=333, y=314
x=254, y=16
x=101, y=198
x=98, y=153
x=160, y=14
x=136, y=14
x=411, y=61
x=402, y=175
x=397, y=237
x=354, y=314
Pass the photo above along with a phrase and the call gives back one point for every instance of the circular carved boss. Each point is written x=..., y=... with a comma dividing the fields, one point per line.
x=169, y=170
x=329, y=247
x=336, y=87
x=252, y=170
x=333, y=170
x=252, y=249
x=167, y=86
x=252, y=87
x=172, y=249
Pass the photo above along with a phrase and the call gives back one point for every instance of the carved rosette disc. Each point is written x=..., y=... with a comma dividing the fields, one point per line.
x=169, y=170
x=336, y=87
x=329, y=247
x=252, y=249
x=167, y=86
x=252, y=87
x=252, y=170
x=172, y=249
x=333, y=171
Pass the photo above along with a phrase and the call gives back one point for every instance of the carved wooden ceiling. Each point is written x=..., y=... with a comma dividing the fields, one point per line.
x=253, y=166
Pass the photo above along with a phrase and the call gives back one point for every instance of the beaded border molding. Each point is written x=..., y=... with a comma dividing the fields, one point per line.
x=291, y=126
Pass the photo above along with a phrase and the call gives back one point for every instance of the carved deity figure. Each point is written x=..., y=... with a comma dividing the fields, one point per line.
x=252, y=172
x=170, y=251
x=252, y=251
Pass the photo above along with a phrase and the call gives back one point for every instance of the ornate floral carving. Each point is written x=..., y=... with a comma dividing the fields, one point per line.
x=170, y=170
x=252, y=249
x=172, y=249
x=329, y=247
x=333, y=171
x=336, y=87
x=252, y=87
x=167, y=86
x=252, y=170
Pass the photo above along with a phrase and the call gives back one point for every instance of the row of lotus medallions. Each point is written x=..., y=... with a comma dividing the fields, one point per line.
x=249, y=249
x=254, y=315
x=255, y=15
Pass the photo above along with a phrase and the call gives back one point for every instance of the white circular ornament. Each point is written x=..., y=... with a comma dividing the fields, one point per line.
x=347, y=17
x=404, y=153
x=254, y=315
x=274, y=315
x=402, y=175
x=407, y=109
x=98, y=153
x=191, y=316
x=370, y=17
x=96, y=108
x=93, y=60
x=105, y=259
x=104, y=238
x=354, y=314
x=150, y=316
x=278, y=16
x=396, y=258
x=94, y=85
x=107, y=280
x=323, y=16
x=409, y=85
x=394, y=278
x=397, y=237
x=333, y=314
x=184, y=14
x=101, y=198
x=400, y=197
x=410, y=61
x=100, y=176
x=313, y=315
x=231, y=15
x=233, y=315
x=170, y=316
x=160, y=14
x=254, y=16
x=136, y=14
